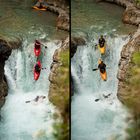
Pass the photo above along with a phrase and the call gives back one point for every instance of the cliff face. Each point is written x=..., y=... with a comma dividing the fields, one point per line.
x=129, y=82
x=59, y=87
x=5, y=51
x=59, y=3
x=126, y=55
x=61, y=7
x=131, y=14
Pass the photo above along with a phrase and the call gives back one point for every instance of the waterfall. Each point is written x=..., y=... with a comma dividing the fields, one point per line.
x=32, y=120
x=95, y=117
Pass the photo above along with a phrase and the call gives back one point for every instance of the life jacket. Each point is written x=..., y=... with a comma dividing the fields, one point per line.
x=37, y=44
x=101, y=42
x=102, y=67
x=37, y=68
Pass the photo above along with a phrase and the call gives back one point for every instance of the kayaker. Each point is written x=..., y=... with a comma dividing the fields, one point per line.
x=101, y=66
x=37, y=99
x=40, y=4
x=37, y=68
x=37, y=44
x=101, y=41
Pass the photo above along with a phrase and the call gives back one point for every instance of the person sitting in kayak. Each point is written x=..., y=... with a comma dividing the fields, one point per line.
x=37, y=99
x=37, y=68
x=41, y=4
x=101, y=41
x=37, y=44
x=102, y=66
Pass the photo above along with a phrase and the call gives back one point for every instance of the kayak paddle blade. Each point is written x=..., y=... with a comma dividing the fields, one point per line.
x=94, y=69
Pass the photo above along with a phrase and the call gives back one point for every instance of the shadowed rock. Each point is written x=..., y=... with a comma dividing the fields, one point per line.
x=6, y=47
x=76, y=41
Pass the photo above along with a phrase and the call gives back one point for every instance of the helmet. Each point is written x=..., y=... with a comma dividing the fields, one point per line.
x=99, y=61
x=36, y=41
x=101, y=36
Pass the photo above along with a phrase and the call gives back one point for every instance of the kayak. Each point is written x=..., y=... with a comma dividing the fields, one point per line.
x=36, y=74
x=102, y=50
x=103, y=75
x=37, y=51
x=43, y=9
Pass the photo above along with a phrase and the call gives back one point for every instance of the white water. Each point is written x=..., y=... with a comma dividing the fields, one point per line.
x=104, y=119
x=27, y=121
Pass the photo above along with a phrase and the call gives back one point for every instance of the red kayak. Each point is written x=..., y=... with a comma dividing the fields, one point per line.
x=37, y=48
x=37, y=70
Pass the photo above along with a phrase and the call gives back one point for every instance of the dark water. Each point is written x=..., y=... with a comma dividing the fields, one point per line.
x=87, y=14
x=18, y=18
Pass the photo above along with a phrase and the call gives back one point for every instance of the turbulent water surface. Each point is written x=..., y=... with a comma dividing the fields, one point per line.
x=91, y=119
x=33, y=120
x=97, y=114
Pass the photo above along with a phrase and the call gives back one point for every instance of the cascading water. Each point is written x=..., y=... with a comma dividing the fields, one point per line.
x=32, y=120
x=104, y=118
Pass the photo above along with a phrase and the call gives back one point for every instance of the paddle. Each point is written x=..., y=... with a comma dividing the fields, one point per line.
x=44, y=46
x=96, y=100
x=44, y=68
x=95, y=69
x=27, y=101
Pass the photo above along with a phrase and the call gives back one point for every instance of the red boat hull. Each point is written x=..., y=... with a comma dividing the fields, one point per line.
x=37, y=51
x=36, y=74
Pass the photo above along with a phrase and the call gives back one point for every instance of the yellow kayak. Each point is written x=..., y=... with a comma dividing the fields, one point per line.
x=104, y=76
x=43, y=9
x=102, y=50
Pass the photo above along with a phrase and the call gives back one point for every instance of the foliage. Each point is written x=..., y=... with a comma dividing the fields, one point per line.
x=132, y=98
x=137, y=1
x=62, y=131
x=60, y=96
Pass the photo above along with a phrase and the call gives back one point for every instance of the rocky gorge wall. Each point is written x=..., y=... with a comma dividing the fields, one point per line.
x=131, y=14
x=60, y=7
x=59, y=87
x=5, y=51
x=126, y=55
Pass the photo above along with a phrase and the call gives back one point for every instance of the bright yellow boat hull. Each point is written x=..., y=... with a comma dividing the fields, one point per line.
x=42, y=9
x=102, y=50
x=103, y=76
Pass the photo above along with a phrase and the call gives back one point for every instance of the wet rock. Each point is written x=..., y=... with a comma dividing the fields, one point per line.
x=6, y=47
x=60, y=7
x=59, y=93
x=126, y=55
x=63, y=21
x=76, y=41
x=131, y=14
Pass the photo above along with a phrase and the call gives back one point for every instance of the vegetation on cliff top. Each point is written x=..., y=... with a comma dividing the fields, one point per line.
x=132, y=98
x=61, y=97
x=133, y=84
